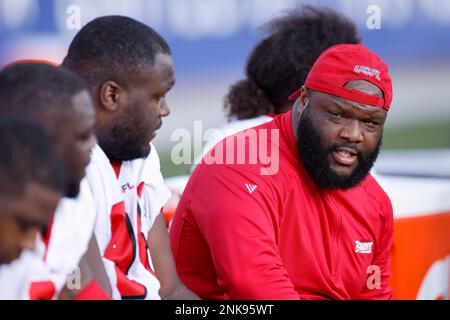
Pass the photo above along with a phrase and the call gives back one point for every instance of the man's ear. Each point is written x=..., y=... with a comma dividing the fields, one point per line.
x=112, y=95
x=302, y=100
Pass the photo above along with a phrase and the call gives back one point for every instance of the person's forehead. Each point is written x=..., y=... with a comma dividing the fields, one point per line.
x=327, y=99
x=163, y=63
x=82, y=104
x=161, y=73
x=365, y=86
x=82, y=114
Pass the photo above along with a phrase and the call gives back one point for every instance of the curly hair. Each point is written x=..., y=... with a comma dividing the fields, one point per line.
x=279, y=64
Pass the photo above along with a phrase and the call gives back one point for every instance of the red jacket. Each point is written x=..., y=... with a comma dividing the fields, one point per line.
x=284, y=238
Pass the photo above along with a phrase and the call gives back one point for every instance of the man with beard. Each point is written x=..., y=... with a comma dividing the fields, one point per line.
x=275, y=67
x=129, y=69
x=319, y=226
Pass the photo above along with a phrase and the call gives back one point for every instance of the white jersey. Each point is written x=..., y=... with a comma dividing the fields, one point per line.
x=128, y=197
x=71, y=231
x=28, y=278
x=42, y=274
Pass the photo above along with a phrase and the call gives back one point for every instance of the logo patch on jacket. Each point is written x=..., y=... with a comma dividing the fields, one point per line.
x=363, y=247
x=251, y=187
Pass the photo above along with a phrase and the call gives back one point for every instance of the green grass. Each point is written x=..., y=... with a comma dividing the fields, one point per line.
x=168, y=168
x=429, y=135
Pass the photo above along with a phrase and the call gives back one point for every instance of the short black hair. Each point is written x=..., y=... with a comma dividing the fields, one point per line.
x=280, y=63
x=34, y=90
x=27, y=155
x=110, y=48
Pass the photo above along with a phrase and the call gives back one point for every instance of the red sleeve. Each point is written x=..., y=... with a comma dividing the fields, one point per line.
x=241, y=229
x=42, y=290
x=92, y=292
x=381, y=263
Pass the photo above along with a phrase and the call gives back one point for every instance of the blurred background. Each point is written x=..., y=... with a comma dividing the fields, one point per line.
x=211, y=40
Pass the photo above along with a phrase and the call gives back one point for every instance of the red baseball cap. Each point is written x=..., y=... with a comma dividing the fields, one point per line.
x=342, y=63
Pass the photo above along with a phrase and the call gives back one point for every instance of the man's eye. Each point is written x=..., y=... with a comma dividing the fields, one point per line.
x=336, y=114
x=371, y=122
x=26, y=225
x=84, y=136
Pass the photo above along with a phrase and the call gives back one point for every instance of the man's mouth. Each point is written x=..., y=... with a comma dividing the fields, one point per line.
x=345, y=156
x=153, y=134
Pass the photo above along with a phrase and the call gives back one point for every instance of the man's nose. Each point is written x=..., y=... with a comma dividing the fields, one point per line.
x=165, y=109
x=352, y=131
x=92, y=142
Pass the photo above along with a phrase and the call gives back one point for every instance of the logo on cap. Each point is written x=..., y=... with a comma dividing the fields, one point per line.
x=367, y=71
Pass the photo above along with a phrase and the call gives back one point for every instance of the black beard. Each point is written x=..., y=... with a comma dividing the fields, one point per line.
x=315, y=158
x=119, y=145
